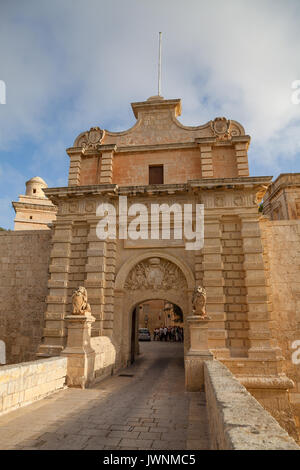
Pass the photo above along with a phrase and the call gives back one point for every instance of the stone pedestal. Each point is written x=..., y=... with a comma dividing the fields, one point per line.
x=197, y=354
x=81, y=357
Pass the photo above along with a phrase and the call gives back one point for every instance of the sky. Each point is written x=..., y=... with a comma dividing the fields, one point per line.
x=69, y=65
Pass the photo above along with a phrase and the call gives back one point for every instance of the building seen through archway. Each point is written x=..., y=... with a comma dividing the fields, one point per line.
x=159, y=313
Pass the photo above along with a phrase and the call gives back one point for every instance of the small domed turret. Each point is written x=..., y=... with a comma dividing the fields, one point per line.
x=35, y=186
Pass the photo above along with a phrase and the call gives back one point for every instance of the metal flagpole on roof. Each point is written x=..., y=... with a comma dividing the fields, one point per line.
x=159, y=67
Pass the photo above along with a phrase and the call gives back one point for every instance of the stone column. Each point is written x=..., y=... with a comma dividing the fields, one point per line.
x=197, y=354
x=81, y=356
x=106, y=172
x=57, y=301
x=262, y=346
x=213, y=282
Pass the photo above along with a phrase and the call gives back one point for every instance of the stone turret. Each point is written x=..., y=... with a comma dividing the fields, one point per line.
x=34, y=211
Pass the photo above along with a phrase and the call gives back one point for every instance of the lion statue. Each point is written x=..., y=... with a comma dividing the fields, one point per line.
x=80, y=303
x=199, y=302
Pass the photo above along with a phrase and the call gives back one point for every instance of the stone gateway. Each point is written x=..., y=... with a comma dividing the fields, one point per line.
x=247, y=270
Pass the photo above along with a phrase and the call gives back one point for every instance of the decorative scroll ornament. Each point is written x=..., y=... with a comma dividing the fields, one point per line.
x=220, y=127
x=92, y=138
x=155, y=274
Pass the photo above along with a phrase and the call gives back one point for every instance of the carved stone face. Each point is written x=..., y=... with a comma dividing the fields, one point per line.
x=82, y=290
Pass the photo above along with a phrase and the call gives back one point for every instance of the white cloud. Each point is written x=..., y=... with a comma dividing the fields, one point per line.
x=73, y=64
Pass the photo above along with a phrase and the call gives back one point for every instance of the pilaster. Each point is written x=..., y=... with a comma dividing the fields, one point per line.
x=75, y=165
x=213, y=281
x=100, y=273
x=262, y=346
x=241, y=145
x=197, y=354
x=206, y=147
x=54, y=333
x=106, y=172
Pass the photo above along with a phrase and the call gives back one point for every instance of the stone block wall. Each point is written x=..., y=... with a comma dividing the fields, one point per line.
x=236, y=420
x=133, y=169
x=24, y=383
x=234, y=288
x=282, y=199
x=281, y=242
x=24, y=261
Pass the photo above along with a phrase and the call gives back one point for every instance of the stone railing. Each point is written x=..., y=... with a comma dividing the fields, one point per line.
x=236, y=420
x=24, y=383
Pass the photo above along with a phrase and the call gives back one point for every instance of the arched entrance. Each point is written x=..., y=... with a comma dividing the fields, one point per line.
x=156, y=315
x=149, y=276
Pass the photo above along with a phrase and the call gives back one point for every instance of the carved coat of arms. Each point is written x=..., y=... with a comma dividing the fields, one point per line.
x=155, y=273
x=92, y=138
x=220, y=127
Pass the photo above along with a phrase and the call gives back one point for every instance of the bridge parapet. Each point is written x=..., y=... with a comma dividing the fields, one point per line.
x=236, y=420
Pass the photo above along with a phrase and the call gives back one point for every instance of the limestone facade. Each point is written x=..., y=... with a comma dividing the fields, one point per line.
x=281, y=242
x=282, y=199
x=24, y=383
x=207, y=165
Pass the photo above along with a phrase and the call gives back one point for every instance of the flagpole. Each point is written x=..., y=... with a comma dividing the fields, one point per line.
x=159, y=67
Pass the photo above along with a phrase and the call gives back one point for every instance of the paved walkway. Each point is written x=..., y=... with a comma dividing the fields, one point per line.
x=149, y=410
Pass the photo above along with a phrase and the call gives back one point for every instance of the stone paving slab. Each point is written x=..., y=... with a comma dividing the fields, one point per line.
x=150, y=410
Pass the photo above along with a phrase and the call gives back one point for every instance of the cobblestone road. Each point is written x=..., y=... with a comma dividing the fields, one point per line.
x=148, y=410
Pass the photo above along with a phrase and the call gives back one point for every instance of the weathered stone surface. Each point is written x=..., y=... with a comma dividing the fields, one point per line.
x=205, y=164
x=138, y=412
x=24, y=260
x=25, y=383
x=236, y=420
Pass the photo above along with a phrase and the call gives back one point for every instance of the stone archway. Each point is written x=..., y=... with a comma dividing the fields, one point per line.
x=149, y=276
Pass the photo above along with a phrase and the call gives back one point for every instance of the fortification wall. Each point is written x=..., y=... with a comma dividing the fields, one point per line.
x=281, y=241
x=24, y=261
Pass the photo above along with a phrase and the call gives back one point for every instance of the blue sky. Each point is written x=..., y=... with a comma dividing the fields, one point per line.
x=70, y=65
